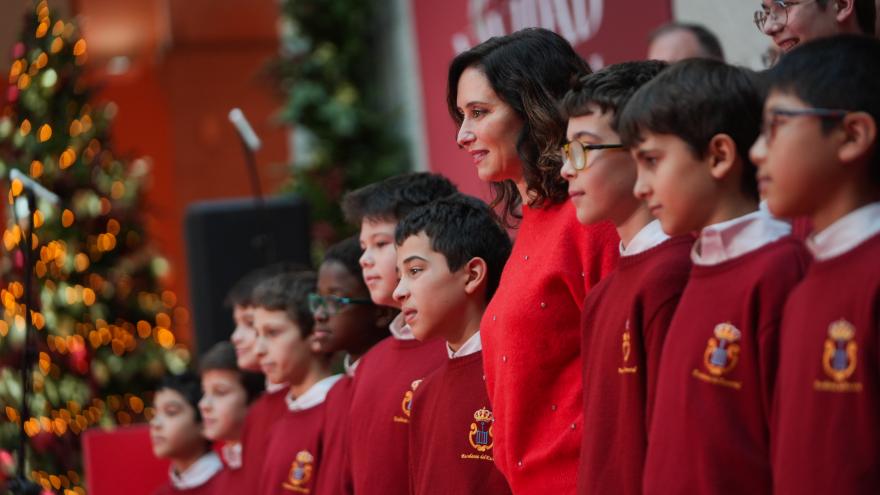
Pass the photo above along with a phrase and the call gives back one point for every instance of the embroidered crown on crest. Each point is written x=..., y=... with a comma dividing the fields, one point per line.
x=728, y=332
x=484, y=415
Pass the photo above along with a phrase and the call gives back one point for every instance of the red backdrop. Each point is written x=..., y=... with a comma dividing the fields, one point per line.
x=602, y=31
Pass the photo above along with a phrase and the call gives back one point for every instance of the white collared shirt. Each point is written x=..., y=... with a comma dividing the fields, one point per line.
x=650, y=236
x=313, y=396
x=198, y=474
x=473, y=345
x=400, y=330
x=231, y=452
x=846, y=233
x=733, y=238
x=350, y=367
x=271, y=388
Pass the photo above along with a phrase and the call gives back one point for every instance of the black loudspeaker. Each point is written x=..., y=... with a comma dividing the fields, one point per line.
x=227, y=239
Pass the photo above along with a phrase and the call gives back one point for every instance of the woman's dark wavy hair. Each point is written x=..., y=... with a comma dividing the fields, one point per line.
x=530, y=70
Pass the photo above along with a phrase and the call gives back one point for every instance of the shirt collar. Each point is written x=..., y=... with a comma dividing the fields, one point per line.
x=846, y=233
x=350, y=367
x=231, y=453
x=271, y=388
x=400, y=330
x=733, y=238
x=650, y=236
x=313, y=396
x=198, y=474
x=473, y=345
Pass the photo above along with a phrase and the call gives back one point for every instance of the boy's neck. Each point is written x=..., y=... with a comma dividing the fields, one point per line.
x=463, y=328
x=317, y=372
x=182, y=463
x=842, y=202
x=731, y=207
x=628, y=229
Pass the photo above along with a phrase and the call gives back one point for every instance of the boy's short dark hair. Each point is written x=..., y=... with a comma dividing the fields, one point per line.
x=188, y=385
x=242, y=292
x=221, y=356
x=391, y=199
x=460, y=228
x=709, y=44
x=347, y=253
x=695, y=100
x=289, y=292
x=609, y=89
x=865, y=12
x=840, y=72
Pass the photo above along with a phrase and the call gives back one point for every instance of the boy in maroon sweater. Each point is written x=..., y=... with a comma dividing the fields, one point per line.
x=380, y=403
x=690, y=130
x=450, y=255
x=284, y=330
x=346, y=320
x=625, y=316
x=818, y=157
x=176, y=434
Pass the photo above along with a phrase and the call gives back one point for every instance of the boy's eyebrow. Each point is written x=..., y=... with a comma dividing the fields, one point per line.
x=411, y=258
x=580, y=134
x=640, y=152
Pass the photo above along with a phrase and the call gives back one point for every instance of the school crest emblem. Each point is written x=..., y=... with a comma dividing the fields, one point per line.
x=300, y=472
x=480, y=436
x=839, y=358
x=626, y=352
x=406, y=403
x=721, y=356
x=722, y=351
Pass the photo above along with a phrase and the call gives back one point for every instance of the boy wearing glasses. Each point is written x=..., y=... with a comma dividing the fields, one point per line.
x=346, y=320
x=818, y=157
x=383, y=385
x=690, y=130
x=625, y=316
x=284, y=332
x=791, y=22
x=450, y=255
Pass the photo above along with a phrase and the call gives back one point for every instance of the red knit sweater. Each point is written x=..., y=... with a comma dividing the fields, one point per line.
x=261, y=417
x=710, y=426
x=380, y=411
x=531, y=346
x=451, y=433
x=827, y=424
x=625, y=321
x=293, y=455
x=211, y=487
x=334, y=477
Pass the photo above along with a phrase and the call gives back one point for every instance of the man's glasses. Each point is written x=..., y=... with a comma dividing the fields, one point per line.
x=777, y=12
x=575, y=152
x=771, y=122
x=332, y=304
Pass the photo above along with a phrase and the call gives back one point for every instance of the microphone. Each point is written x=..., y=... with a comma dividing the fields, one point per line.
x=236, y=116
x=34, y=186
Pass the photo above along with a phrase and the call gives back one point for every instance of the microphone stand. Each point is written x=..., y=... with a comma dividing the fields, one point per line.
x=21, y=485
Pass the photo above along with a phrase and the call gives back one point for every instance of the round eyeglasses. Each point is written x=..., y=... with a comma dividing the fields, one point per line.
x=332, y=304
x=575, y=152
x=776, y=12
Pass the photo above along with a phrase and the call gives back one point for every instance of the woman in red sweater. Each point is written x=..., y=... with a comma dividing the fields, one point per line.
x=503, y=95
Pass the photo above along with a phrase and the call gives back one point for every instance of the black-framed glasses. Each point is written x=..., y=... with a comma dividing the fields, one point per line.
x=575, y=152
x=333, y=304
x=769, y=125
x=776, y=12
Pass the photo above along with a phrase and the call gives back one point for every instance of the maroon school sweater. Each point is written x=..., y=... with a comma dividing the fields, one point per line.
x=293, y=453
x=827, y=424
x=624, y=322
x=531, y=346
x=380, y=412
x=334, y=477
x=710, y=426
x=210, y=487
x=233, y=481
x=261, y=417
x=451, y=433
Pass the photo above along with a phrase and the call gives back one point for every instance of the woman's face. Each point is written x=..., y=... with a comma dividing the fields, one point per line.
x=489, y=129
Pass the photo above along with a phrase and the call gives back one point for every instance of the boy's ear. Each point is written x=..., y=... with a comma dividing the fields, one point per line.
x=844, y=9
x=721, y=155
x=861, y=136
x=475, y=272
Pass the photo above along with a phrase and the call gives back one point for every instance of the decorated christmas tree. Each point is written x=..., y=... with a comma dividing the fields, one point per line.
x=104, y=328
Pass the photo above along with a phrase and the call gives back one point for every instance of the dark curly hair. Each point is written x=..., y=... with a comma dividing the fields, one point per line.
x=391, y=199
x=289, y=292
x=529, y=70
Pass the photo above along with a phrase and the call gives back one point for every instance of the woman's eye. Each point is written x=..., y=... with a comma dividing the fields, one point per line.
x=414, y=271
x=477, y=112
